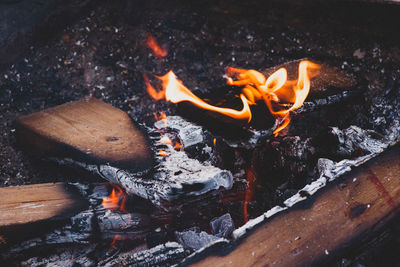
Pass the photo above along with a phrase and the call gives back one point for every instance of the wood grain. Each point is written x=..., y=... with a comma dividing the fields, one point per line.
x=31, y=207
x=88, y=130
x=318, y=230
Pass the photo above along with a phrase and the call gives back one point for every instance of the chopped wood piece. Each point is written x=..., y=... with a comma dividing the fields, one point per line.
x=328, y=78
x=88, y=130
x=24, y=208
x=313, y=232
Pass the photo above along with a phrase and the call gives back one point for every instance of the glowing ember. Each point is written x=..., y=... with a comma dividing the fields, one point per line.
x=162, y=153
x=157, y=50
x=279, y=94
x=251, y=178
x=165, y=140
x=116, y=200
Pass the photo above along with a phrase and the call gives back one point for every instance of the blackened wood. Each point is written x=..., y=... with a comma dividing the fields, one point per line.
x=87, y=130
x=329, y=78
x=31, y=209
x=341, y=215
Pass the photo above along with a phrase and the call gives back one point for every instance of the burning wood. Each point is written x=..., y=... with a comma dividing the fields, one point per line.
x=78, y=129
x=274, y=90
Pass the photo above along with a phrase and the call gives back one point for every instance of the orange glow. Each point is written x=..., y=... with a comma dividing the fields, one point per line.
x=114, y=242
x=165, y=140
x=251, y=178
x=157, y=50
x=156, y=95
x=162, y=153
x=176, y=92
x=116, y=200
x=279, y=94
x=177, y=145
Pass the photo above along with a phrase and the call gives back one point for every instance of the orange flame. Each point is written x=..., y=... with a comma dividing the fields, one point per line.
x=157, y=50
x=279, y=94
x=162, y=153
x=116, y=200
x=176, y=92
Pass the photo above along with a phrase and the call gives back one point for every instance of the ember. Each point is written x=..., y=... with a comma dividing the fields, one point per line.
x=157, y=50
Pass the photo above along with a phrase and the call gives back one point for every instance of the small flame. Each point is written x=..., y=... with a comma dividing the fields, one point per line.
x=279, y=94
x=162, y=153
x=116, y=200
x=157, y=50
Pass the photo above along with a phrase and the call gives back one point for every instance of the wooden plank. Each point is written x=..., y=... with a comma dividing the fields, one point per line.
x=89, y=131
x=26, y=208
x=318, y=230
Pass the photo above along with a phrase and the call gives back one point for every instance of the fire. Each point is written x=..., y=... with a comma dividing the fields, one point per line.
x=162, y=153
x=282, y=96
x=157, y=50
x=116, y=200
x=176, y=92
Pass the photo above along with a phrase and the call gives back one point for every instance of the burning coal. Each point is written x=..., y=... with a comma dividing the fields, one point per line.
x=282, y=96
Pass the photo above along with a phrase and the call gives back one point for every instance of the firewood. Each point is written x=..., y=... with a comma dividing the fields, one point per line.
x=29, y=208
x=350, y=210
x=88, y=130
x=329, y=77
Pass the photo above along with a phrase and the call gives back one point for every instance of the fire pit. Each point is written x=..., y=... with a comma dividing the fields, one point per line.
x=188, y=133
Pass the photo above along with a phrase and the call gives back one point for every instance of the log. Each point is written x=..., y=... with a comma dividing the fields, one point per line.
x=329, y=78
x=87, y=130
x=343, y=214
x=27, y=209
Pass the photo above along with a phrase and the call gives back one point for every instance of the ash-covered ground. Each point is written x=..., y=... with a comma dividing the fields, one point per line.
x=104, y=54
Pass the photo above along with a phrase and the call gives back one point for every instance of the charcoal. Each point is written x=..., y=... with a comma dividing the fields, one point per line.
x=162, y=255
x=222, y=226
x=77, y=256
x=194, y=239
x=189, y=133
x=355, y=139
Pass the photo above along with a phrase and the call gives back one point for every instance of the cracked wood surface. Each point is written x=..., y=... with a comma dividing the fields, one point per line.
x=29, y=209
x=344, y=214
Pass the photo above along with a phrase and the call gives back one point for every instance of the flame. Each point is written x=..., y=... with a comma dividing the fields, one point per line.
x=279, y=94
x=176, y=92
x=116, y=200
x=282, y=96
x=162, y=153
x=157, y=50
